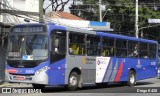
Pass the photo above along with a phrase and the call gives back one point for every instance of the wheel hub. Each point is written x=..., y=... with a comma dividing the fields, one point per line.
x=73, y=81
x=132, y=79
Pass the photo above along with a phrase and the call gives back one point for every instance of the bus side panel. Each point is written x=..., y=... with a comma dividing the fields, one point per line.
x=57, y=73
x=129, y=64
x=110, y=71
x=119, y=72
x=86, y=64
x=144, y=69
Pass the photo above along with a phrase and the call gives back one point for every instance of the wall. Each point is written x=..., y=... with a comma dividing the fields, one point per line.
x=23, y=5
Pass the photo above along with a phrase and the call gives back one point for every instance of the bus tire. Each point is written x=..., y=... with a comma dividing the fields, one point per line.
x=131, y=78
x=73, y=81
x=38, y=86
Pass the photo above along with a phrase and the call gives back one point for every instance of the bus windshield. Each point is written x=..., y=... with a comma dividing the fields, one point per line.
x=33, y=47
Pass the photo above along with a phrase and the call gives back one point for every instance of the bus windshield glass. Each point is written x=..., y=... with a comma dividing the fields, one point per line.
x=33, y=47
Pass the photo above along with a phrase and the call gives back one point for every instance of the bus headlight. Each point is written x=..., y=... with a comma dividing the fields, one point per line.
x=44, y=69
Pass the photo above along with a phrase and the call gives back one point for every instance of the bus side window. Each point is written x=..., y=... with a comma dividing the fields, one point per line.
x=105, y=52
x=143, y=50
x=121, y=48
x=112, y=51
x=74, y=49
x=54, y=44
x=76, y=44
x=94, y=45
x=107, y=46
x=152, y=51
x=133, y=49
x=58, y=44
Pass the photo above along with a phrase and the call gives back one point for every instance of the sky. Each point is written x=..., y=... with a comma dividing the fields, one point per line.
x=66, y=9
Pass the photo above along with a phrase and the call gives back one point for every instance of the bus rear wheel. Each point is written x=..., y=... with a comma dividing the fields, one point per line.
x=38, y=86
x=132, y=78
x=73, y=81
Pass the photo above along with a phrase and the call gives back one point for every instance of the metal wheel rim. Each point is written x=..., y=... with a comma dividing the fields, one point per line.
x=132, y=79
x=73, y=81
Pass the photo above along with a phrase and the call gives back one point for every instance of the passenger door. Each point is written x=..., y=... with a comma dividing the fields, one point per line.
x=58, y=46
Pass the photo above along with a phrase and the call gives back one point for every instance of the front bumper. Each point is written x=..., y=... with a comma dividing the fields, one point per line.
x=41, y=78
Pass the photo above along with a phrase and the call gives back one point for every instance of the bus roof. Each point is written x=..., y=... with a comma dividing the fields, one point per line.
x=97, y=32
x=125, y=37
x=29, y=24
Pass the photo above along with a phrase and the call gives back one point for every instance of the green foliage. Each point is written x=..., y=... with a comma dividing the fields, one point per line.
x=90, y=1
x=122, y=14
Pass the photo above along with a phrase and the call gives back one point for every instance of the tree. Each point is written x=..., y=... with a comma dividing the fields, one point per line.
x=58, y=5
x=122, y=14
x=88, y=7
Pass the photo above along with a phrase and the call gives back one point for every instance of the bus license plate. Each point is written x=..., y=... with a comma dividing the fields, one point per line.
x=20, y=77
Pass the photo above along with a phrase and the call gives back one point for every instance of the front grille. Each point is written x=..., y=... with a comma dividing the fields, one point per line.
x=21, y=74
x=23, y=64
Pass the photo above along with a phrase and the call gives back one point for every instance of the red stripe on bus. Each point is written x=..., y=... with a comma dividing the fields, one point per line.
x=119, y=72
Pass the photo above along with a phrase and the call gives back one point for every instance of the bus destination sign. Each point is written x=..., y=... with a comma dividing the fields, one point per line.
x=29, y=29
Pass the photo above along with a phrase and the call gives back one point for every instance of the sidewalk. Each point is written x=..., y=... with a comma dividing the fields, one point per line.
x=6, y=84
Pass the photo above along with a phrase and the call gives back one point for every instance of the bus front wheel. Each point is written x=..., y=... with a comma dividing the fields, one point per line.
x=38, y=86
x=132, y=78
x=73, y=81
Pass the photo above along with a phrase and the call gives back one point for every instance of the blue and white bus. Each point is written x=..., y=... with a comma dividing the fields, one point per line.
x=50, y=54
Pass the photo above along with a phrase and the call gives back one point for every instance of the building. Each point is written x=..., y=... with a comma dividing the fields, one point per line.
x=71, y=20
x=15, y=11
x=63, y=15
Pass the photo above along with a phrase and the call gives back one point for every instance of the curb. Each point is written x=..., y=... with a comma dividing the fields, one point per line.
x=6, y=85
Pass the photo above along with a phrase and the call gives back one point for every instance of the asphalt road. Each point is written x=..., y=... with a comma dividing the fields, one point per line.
x=148, y=87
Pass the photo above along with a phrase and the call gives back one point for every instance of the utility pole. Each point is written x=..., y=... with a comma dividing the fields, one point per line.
x=136, y=19
x=100, y=11
x=41, y=11
x=0, y=9
x=4, y=18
